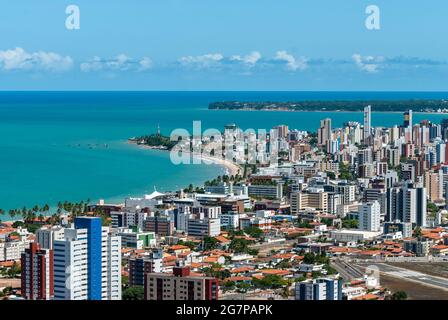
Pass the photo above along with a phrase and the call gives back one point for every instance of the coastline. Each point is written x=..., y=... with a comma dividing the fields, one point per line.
x=326, y=111
x=230, y=167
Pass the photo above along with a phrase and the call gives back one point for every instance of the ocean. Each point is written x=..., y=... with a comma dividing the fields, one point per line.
x=57, y=146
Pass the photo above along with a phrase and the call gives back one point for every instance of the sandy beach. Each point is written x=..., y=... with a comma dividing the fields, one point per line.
x=230, y=167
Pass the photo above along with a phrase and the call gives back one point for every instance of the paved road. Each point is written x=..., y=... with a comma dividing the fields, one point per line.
x=347, y=270
x=409, y=275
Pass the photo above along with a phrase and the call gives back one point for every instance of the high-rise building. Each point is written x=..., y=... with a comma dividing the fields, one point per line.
x=444, y=128
x=406, y=204
x=407, y=119
x=37, y=273
x=319, y=289
x=180, y=285
x=367, y=123
x=45, y=236
x=370, y=216
x=434, y=185
x=282, y=131
x=324, y=132
x=87, y=262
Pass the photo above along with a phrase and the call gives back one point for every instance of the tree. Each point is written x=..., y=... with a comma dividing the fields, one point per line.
x=134, y=293
x=432, y=208
x=210, y=243
x=229, y=285
x=331, y=175
x=124, y=281
x=239, y=245
x=243, y=286
x=418, y=232
x=254, y=232
x=350, y=223
x=344, y=172
x=13, y=271
x=271, y=281
x=399, y=295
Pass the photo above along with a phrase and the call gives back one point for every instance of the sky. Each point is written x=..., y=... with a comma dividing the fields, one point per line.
x=299, y=45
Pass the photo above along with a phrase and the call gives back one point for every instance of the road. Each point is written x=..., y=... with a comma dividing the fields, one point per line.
x=405, y=274
x=346, y=269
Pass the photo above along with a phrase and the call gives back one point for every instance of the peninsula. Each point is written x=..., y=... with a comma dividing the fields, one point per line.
x=432, y=105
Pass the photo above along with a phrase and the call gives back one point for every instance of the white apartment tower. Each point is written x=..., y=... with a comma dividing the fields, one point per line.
x=370, y=216
x=87, y=262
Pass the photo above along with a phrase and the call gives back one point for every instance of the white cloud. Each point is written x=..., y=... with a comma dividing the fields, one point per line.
x=19, y=59
x=205, y=61
x=250, y=59
x=120, y=63
x=369, y=64
x=292, y=63
x=145, y=63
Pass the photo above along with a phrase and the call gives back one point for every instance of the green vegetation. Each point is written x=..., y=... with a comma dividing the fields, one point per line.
x=190, y=244
x=12, y=272
x=216, y=271
x=254, y=232
x=356, y=106
x=399, y=295
x=417, y=232
x=229, y=285
x=331, y=175
x=350, y=223
x=345, y=172
x=134, y=293
x=155, y=140
x=224, y=179
x=6, y=291
x=270, y=281
x=432, y=208
x=311, y=258
x=210, y=243
x=241, y=245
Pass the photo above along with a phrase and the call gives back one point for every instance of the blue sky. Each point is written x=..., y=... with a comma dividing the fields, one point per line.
x=224, y=45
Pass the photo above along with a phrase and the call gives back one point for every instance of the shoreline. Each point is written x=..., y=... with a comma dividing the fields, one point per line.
x=230, y=167
x=326, y=111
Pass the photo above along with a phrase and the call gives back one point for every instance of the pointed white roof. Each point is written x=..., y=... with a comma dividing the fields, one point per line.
x=154, y=195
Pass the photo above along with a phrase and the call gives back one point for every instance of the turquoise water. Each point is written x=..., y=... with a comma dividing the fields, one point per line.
x=53, y=144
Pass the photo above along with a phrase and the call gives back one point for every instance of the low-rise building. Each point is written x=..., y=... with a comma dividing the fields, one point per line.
x=180, y=285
